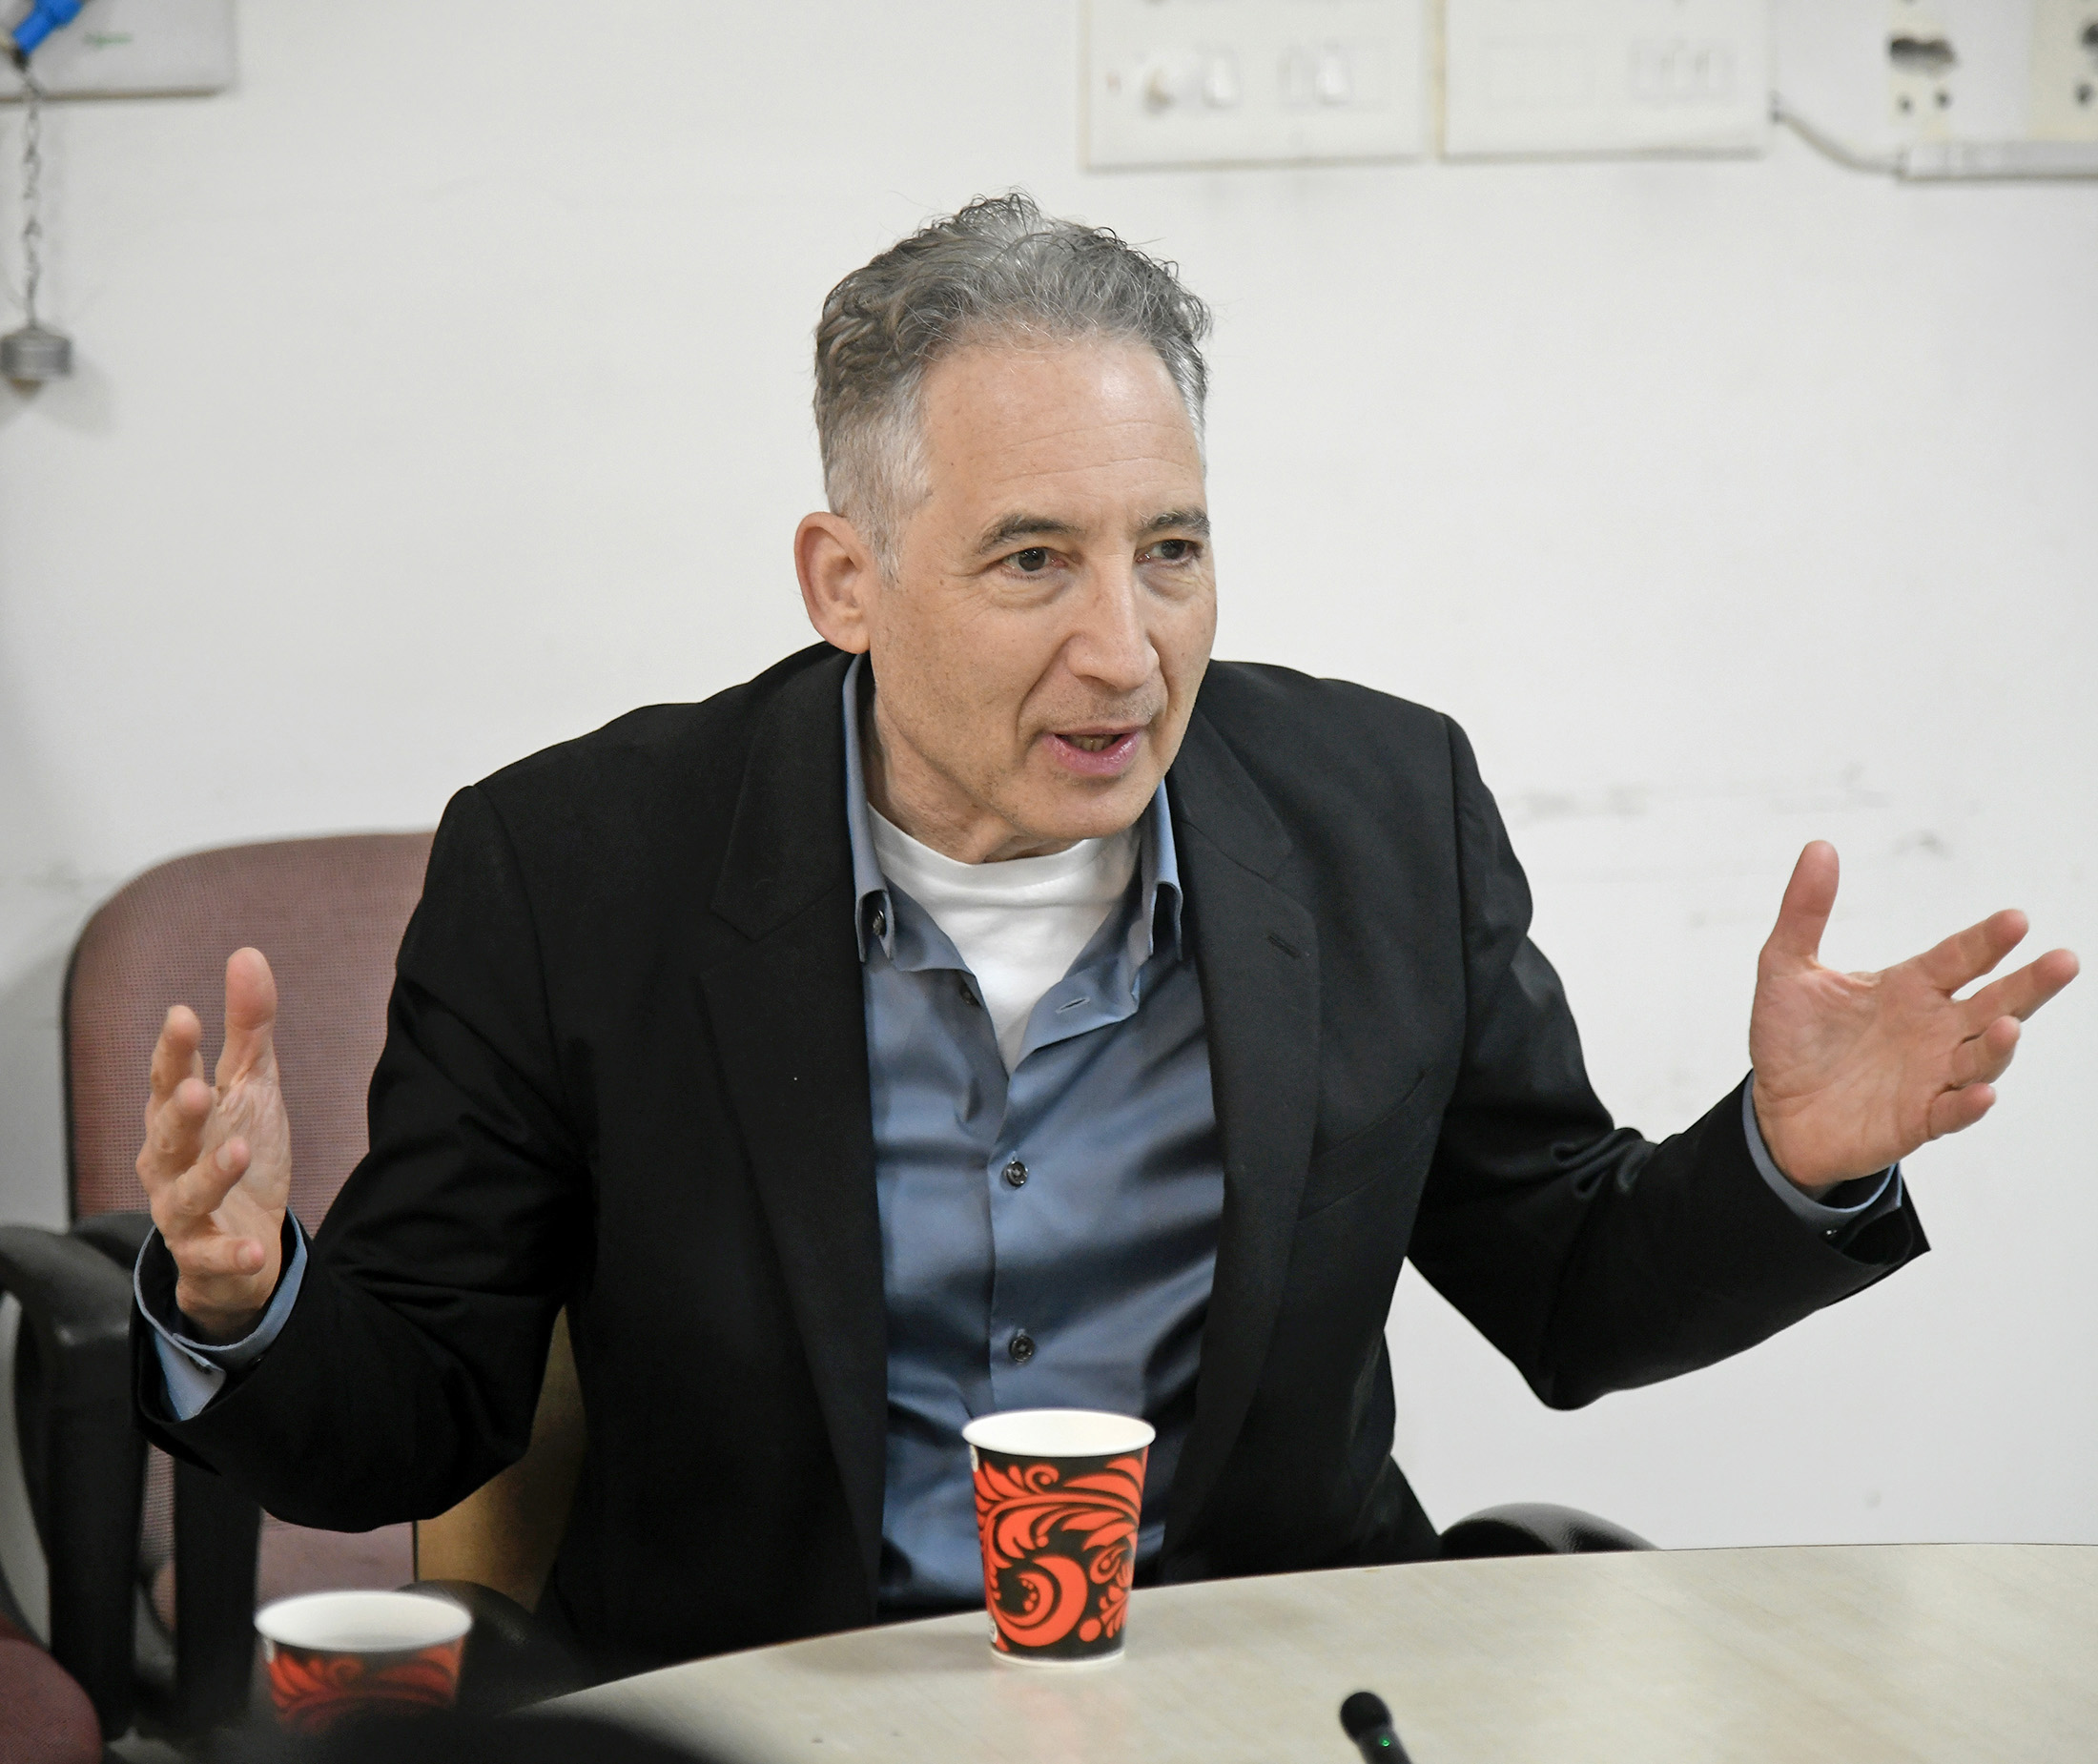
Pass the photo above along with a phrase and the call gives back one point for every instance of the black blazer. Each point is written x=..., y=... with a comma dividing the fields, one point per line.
x=626, y=1070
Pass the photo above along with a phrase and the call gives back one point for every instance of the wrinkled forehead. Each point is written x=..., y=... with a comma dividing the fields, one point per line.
x=1080, y=420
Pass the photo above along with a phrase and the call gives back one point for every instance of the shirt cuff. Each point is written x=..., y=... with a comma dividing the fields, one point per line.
x=1856, y=1203
x=195, y=1371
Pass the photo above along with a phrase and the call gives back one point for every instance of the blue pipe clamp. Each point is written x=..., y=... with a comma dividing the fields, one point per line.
x=45, y=17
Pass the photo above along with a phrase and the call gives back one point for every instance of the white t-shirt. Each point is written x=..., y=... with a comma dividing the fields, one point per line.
x=1018, y=924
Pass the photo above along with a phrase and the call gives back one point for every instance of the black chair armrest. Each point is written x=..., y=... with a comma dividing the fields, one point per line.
x=513, y=1657
x=1536, y=1528
x=70, y=1291
x=82, y=1458
x=118, y=1235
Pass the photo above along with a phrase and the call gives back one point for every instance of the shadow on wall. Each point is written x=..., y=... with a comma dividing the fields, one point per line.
x=43, y=902
x=32, y=1182
x=84, y=403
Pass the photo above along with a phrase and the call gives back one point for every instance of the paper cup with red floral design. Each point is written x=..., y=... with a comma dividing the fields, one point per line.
x=334, y=1655
x=1059, y=1492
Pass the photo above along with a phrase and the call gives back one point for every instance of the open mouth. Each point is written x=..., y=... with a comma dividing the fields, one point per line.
x=1096, y=752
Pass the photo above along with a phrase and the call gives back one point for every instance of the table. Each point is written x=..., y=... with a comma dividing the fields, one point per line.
x=1852, y=1654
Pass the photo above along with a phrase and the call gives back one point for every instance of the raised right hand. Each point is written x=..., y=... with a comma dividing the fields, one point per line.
x=216, y=1164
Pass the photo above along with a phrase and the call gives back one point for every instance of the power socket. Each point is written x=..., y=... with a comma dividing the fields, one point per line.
x=1923, y=56
x=2065, y=69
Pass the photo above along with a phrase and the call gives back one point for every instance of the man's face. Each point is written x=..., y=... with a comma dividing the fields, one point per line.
x=1038, y=654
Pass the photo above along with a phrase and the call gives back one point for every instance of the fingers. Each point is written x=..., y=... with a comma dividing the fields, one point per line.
x=175, y=1134
x=1985, y=1058
x=1809, y=898
x=2020, y=993
x=250, y=1015
x=183, y=1208
x=209, y=1258
x=1970, y=954
x=1957, y=1109
x=175, y=1055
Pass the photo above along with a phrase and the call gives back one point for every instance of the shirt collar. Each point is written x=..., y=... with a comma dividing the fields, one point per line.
x=873, y=912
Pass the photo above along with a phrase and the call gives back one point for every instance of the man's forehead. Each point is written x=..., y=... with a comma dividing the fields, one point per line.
x=1030, y=393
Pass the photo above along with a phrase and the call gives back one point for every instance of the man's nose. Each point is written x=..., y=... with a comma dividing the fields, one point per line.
x=1110, y=644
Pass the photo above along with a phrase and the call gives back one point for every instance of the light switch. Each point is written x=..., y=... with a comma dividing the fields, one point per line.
x=1332, y=82
x=1244, y=82
x=1538, y=78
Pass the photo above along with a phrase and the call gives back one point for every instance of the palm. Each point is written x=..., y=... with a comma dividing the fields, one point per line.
x=1855, y=1070
x=248, y=1106
x=216, y=1165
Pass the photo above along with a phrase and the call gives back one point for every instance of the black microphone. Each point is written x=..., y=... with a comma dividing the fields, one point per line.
x=1368, y=1724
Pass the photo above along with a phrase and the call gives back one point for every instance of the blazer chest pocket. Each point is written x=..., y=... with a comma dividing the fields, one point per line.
x=1402, y=1136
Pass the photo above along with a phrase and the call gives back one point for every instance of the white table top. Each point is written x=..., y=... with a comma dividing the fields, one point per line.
x=1852, y=1654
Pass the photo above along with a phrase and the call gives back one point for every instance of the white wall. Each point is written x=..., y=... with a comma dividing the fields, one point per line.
x=443, y=393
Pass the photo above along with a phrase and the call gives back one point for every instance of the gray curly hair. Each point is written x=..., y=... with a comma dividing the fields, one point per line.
x=998, y=269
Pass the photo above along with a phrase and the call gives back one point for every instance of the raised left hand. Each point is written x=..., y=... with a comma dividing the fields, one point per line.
x=1855, y=1070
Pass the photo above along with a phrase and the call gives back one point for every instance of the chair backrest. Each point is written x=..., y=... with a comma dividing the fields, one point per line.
x=327, y=913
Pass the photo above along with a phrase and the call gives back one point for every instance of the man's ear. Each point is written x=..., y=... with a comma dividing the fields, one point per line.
x=838, y=579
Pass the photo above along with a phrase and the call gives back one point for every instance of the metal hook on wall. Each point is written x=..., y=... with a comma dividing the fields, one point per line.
x=35, y=353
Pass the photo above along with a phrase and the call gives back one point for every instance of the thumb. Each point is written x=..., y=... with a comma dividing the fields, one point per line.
x=1802, y=916
x=250, y=1015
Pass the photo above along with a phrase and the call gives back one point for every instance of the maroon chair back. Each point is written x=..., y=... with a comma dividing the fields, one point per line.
x=328, y=913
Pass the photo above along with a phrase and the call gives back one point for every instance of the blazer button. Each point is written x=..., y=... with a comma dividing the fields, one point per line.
x=1015, y=1175
x=1020, y=1349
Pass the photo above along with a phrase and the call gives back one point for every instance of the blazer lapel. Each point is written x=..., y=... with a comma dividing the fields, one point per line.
x=790, y=1023
x=1256, y=947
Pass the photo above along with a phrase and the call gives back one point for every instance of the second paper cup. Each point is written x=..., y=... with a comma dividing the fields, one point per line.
x=1059, y=1492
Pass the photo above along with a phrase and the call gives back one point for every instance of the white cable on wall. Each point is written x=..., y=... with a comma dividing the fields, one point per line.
x=1939, y=161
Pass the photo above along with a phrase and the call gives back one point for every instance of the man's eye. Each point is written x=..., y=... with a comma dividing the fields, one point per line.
x=1173, y=550
x=1031, y=562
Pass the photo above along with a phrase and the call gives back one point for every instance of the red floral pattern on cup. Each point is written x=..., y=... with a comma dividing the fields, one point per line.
x=315, y=1688
x=1059, y=1548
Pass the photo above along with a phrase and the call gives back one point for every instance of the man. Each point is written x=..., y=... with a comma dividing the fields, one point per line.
x=996, y=1007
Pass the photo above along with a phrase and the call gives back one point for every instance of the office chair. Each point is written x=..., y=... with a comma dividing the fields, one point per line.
x=132, y=1538
x=45, y=1716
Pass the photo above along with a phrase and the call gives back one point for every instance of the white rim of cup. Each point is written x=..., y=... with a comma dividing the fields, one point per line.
x=1059, y=1434
x=363, y=1621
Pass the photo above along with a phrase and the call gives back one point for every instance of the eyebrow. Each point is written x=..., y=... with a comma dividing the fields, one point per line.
x=1044, y=527
x=1023, y=527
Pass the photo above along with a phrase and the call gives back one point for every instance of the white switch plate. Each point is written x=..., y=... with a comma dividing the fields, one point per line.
x=1924, y=66
x=2065, y=69
x=1251, y=82
x=1545, y=78
x=123, y=47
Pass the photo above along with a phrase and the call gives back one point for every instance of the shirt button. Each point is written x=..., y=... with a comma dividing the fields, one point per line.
x=961, y=986
x=1020, y=1349
x=1015, y=1175
x=881, y=923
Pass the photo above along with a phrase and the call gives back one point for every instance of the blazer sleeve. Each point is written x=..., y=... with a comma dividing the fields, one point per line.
x=1594, y=1258
x=408, y=1369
